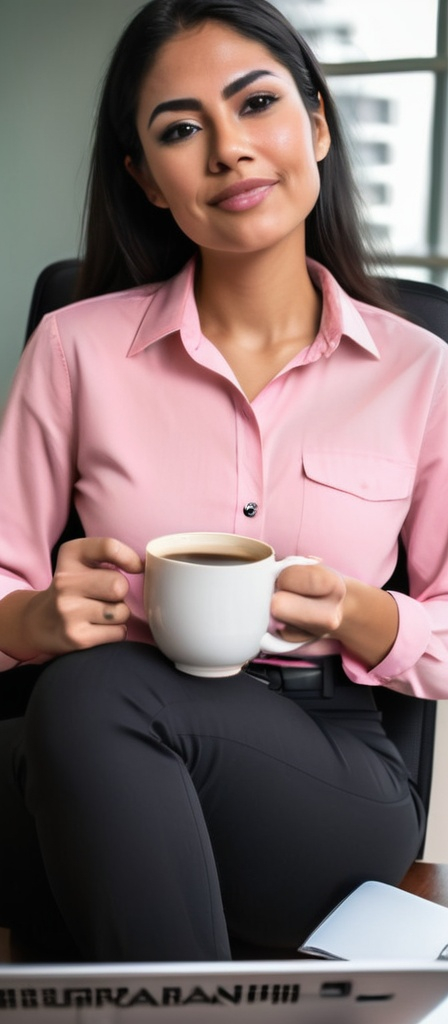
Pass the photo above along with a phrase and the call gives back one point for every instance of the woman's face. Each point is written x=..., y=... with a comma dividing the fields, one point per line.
x=228, y=145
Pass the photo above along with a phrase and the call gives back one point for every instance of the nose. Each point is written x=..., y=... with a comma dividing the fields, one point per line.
x=228, y=146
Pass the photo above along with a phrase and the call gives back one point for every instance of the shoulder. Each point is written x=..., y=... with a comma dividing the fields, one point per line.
x=105, y=325
x=395, y=339
x=104, y=311
x=393, y=333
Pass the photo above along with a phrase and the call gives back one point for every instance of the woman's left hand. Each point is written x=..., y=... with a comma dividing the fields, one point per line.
x=314, y=601
x=309, y=600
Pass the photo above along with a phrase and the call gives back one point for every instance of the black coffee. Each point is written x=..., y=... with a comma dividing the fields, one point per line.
x=211, y=558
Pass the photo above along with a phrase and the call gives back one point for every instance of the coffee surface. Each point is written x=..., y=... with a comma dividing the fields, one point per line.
x=211, y=558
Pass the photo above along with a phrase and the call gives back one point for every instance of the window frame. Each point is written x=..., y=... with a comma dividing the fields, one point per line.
x=435, y=259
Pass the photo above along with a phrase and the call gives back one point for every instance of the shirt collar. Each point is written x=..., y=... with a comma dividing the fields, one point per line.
x=172, y=309
x=341, y=315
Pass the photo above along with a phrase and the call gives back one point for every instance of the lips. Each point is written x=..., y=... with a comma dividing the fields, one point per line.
x=242, y=193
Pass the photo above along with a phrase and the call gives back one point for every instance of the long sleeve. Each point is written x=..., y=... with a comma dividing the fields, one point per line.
x=36, y=466
x=418, y=661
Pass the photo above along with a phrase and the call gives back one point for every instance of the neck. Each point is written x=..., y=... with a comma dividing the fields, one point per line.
x=264, y=297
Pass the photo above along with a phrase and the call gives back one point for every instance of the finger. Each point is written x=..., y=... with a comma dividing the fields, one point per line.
x=316, y=615
x=299, y=636
x=117, y=614
x=71, y=584
x=95, y=636
x=93, y=551
x=301, y=579
x=108, y=614
x=315, y=581
x=81, y=631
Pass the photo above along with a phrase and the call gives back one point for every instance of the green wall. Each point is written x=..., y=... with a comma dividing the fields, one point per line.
x=53, y=54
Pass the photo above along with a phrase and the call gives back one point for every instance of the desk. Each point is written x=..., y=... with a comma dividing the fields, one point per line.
x=429, y=881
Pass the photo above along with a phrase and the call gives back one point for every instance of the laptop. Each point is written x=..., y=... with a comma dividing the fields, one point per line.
x=245, y=992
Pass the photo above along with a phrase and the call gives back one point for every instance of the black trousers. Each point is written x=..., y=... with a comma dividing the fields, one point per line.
x=151, y=815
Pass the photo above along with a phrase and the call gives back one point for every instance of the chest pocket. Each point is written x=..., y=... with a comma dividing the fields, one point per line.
x=372, y=477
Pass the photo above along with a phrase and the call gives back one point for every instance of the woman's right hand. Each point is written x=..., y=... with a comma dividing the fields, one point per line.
x=84, y=606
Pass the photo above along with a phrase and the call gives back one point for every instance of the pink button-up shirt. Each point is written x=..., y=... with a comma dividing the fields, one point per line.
x=123, y=402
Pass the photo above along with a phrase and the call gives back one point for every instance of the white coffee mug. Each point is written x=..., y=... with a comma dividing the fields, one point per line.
x=207, y=599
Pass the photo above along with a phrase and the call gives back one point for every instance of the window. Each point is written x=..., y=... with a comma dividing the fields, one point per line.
x=365, y=109
x=386, y=62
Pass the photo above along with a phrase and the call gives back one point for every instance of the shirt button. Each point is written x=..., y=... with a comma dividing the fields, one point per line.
x=250, y=510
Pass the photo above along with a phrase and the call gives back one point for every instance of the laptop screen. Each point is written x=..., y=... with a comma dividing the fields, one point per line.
x=263, y=992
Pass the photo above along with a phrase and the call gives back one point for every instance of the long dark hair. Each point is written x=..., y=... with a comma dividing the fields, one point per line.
x=129, y=241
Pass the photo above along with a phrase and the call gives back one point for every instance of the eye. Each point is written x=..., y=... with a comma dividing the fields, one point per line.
x=179, y=131
x=259, y=102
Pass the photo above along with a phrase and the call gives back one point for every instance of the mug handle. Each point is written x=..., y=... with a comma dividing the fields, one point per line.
x=271, y=644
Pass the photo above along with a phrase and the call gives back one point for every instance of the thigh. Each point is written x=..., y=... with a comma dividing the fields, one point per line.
x=297, y=829
x=299, y=807
x=131, y=690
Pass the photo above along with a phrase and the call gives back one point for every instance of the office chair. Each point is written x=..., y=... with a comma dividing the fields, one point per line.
x=408, y=721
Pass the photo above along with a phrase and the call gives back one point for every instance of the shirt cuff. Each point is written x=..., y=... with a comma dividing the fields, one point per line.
x=412, y=641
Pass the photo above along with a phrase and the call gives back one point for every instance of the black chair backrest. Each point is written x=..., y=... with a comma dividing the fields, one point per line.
x=425, y=304
x=55, y=287
x=410, y=722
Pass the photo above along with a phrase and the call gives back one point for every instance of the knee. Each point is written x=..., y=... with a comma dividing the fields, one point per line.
x=66, y=722
x=61, y=691
x=83, y=695
x=74, y=683
x=69, y=700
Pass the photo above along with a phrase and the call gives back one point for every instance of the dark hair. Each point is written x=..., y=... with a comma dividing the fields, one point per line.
x=128, y=240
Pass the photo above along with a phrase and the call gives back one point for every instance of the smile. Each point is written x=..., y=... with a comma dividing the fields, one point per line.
x=243, y=195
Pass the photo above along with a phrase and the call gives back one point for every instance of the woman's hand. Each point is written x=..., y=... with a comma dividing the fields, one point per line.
x=84, y=606
x=313, y=601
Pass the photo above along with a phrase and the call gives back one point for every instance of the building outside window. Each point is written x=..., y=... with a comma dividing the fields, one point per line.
x=386, y=62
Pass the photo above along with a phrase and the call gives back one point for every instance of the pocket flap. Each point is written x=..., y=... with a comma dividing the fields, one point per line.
x=373, y=477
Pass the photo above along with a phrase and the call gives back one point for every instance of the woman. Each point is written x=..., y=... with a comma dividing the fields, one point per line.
x=249, y=382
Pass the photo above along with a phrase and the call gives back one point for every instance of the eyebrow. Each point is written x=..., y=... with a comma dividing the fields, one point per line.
x=189, y=103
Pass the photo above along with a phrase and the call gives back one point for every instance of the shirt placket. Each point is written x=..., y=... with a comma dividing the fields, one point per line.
x=250, y=511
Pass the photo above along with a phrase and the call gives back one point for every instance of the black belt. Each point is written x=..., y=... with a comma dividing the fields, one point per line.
x=317, y=678
x=321, y=679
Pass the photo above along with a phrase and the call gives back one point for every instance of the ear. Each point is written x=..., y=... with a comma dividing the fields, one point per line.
x=322, y=137
x=142, y=175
